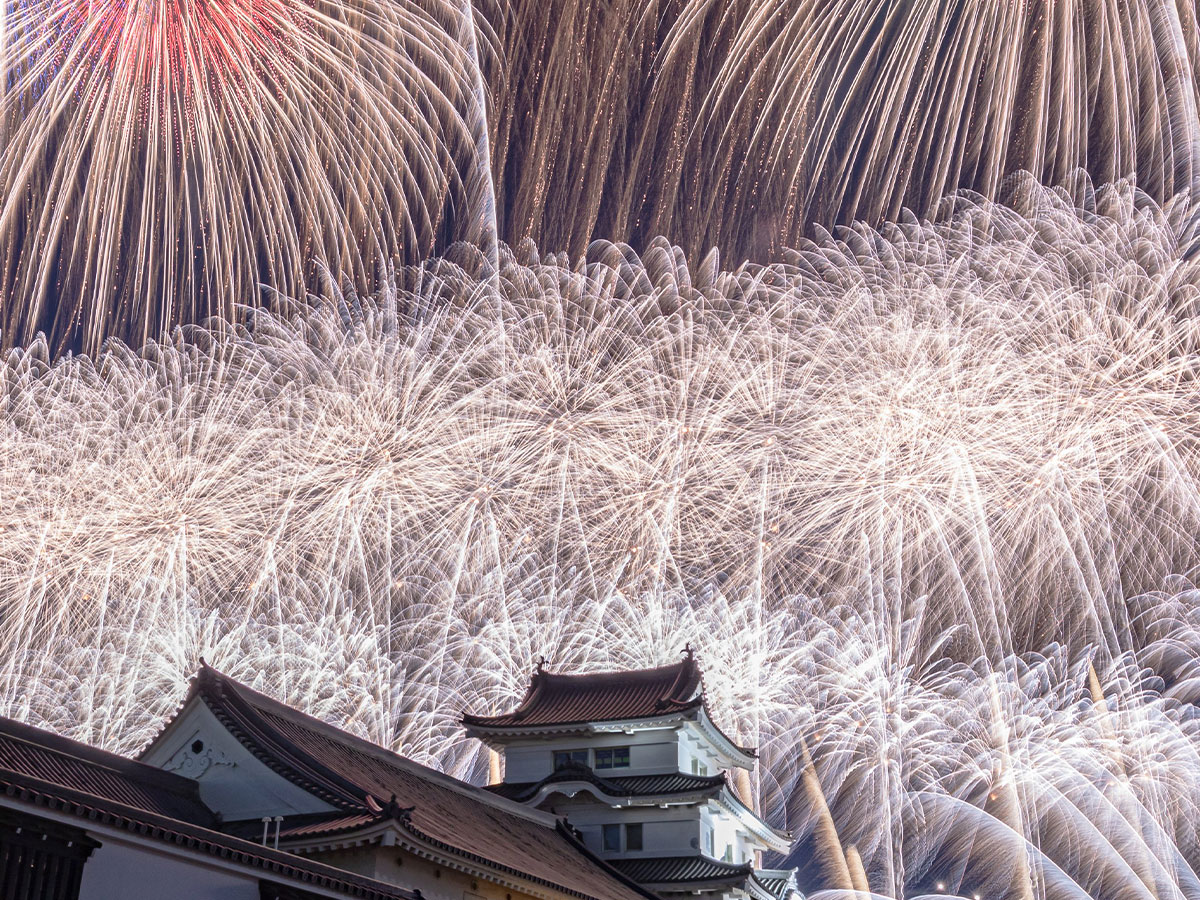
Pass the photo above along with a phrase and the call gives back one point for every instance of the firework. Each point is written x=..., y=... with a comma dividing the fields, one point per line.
x=742, y=124
x=162, y=161
x=869, y=482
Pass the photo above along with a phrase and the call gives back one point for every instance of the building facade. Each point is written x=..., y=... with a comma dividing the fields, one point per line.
x=636, y=763
x=76, y=822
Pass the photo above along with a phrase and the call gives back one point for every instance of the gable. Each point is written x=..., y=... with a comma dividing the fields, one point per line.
x=233, y=781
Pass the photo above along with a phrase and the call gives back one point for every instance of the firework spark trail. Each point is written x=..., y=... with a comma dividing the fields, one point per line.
x=164, y=160
x=901, y=490
x=741, y=123
x=1102, y=789
x=906, y=488
x=160, y=159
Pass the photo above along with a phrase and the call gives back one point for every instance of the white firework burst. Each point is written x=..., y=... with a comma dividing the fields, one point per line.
x=905, y=492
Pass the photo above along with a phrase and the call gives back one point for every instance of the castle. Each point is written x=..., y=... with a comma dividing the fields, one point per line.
x=617, y=786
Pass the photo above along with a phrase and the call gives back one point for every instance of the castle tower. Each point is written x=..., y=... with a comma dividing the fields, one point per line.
x=636, y=764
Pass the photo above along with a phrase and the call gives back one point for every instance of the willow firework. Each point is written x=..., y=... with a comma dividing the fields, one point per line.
x=869, y=482
x=161, y=160
x=741, y=123
x=164, y=160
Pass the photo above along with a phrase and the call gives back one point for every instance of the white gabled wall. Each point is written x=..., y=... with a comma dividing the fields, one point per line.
x=233, y=782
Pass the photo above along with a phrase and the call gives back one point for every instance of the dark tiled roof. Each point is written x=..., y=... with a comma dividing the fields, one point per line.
x=777, y=883
x=31, y=751
x=679, y=870
x=558, y=699
x=299, y=827
x=325, y=827
x=41, y=770
x=463, y=820
x=674, y=784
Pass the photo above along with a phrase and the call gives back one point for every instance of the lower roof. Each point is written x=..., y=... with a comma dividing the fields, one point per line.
x=43, y=772
x=49, y=757
x=684, y=871
x=698, y=874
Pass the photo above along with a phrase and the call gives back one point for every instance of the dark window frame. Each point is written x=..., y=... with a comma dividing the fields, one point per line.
x=610, y=755
x=632, y=829
x=607, y=832
x=564, y=758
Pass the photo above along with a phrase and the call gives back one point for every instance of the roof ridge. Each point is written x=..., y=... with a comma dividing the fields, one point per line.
x=646, y=673
x=577, y=698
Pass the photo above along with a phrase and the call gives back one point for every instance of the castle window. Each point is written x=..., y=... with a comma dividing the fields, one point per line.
x=613, y=758
x=564, y=758
x=699, y=768
x=612, y=838
x=633, y=836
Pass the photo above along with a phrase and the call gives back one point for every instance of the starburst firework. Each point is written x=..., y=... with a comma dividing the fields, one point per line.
x=164, y=160
x=906, y=490
x=741, y=124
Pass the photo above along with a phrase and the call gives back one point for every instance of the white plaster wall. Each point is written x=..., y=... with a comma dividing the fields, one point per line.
x=651, y=752
x=727, y=831
x=232, y=780
x=674, y=830
x=654, y=758
x=691, y=745
x=119, y=871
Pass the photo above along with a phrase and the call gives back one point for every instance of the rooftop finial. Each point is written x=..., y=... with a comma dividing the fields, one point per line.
x=688, y=651
x=541, y=665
